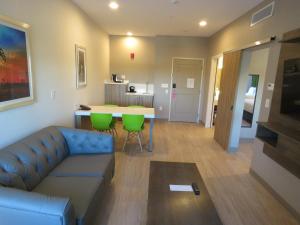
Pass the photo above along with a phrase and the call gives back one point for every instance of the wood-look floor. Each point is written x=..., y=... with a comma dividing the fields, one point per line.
x=238, y=197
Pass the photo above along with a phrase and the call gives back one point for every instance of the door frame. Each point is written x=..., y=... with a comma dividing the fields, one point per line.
x=211, y=88
x=201, y=85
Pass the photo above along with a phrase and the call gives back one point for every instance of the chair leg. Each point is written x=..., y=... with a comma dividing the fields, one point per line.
x=142, y=137
x=114, y=129
x=139, y=138
x=126, y=139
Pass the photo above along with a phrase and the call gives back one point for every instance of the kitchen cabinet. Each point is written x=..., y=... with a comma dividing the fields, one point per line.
x=117, y=94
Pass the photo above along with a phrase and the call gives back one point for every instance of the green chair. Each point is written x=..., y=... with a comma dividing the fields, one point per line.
x=133, y=124
x=138, y=106
x=102, y=122
x=114, y=120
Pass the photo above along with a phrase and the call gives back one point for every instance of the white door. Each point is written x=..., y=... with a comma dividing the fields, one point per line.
x=185, y=94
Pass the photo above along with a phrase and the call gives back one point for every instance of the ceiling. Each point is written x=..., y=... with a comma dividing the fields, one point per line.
x=163, y=17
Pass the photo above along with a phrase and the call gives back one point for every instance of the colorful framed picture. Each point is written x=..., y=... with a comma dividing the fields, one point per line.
x=81, y=76
x=16, y=88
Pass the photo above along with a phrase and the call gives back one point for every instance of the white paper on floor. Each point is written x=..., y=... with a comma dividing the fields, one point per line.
x=187, y=188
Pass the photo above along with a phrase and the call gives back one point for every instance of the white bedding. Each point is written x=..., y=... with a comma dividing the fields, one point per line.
x=249, y=104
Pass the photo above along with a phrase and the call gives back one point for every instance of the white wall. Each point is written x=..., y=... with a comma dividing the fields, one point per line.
x=56, y=26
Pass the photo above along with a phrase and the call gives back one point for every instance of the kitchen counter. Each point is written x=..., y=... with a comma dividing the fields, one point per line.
x=139, y=94
x=111, y=82
x=118, y=94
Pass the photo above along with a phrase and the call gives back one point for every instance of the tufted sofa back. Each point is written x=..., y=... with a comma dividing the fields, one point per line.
x=24, y=164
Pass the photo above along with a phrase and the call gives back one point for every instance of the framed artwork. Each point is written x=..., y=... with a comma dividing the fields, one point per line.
x=81, y=76
x=16, y=88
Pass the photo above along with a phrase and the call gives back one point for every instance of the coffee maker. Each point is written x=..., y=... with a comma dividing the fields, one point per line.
x=116, y=78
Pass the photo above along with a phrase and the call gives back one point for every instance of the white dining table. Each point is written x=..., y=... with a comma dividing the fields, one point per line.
x=117, y=112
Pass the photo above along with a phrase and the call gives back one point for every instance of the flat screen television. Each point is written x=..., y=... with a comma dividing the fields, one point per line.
x=290, y=99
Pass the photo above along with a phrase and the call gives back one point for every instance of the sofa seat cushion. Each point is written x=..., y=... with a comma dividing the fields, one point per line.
x=84, y=193
x=83, y=165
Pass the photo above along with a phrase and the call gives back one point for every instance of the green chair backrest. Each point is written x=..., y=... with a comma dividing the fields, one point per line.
x=133, y=123
x=101, y=121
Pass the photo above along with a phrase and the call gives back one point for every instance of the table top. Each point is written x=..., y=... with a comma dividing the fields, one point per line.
x=118, y=111
x=178, y=208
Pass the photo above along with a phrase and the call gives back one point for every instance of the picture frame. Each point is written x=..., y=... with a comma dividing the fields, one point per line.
x=16, y=81
x=81, y=70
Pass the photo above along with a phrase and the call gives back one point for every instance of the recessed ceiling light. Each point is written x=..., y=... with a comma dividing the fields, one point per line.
x=257, y=43
x=129, y=33
x=113, y=5
x=202, y=23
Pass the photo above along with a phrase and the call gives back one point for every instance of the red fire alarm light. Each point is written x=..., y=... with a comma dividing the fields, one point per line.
x=132, y=56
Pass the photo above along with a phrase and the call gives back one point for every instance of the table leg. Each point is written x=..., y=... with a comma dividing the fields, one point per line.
x=77, y=122
x=151, y=135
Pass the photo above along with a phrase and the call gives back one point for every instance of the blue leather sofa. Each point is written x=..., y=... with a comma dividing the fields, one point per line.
x=56, y=176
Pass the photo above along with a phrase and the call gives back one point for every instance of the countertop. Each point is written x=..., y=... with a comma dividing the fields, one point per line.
x=118, y=111
x=139, y=94
x=111, y=82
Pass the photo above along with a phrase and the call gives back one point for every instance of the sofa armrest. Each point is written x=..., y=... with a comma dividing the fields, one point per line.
x=87, y=142
x=29, y=208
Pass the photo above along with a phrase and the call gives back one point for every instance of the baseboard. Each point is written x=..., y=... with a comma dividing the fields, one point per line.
x=276, y=195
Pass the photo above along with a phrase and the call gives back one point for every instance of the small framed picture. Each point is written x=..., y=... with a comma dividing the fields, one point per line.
x=81, y=75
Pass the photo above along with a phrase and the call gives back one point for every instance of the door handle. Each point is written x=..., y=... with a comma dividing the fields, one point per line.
x=231, y=108
x=174, y=85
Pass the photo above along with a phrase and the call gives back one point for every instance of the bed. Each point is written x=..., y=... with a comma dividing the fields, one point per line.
x=249, y=105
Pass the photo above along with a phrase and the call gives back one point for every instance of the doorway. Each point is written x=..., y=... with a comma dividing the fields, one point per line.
x=186, y=85
x=213, y=90
x=216, y=93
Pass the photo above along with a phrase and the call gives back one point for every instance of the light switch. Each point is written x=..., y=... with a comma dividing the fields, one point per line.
x=53, y=94
x=167, y=91
x=190, y=82
x=267, y=103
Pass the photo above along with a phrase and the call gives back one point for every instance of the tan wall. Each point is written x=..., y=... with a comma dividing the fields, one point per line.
x=153, y=61
x=140, y=69
x=56, y=26
x=166, y=49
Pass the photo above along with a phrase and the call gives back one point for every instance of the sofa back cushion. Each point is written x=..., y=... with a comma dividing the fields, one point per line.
x=24, y=164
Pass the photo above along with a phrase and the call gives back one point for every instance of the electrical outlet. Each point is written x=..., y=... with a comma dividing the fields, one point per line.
x=160, y=108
